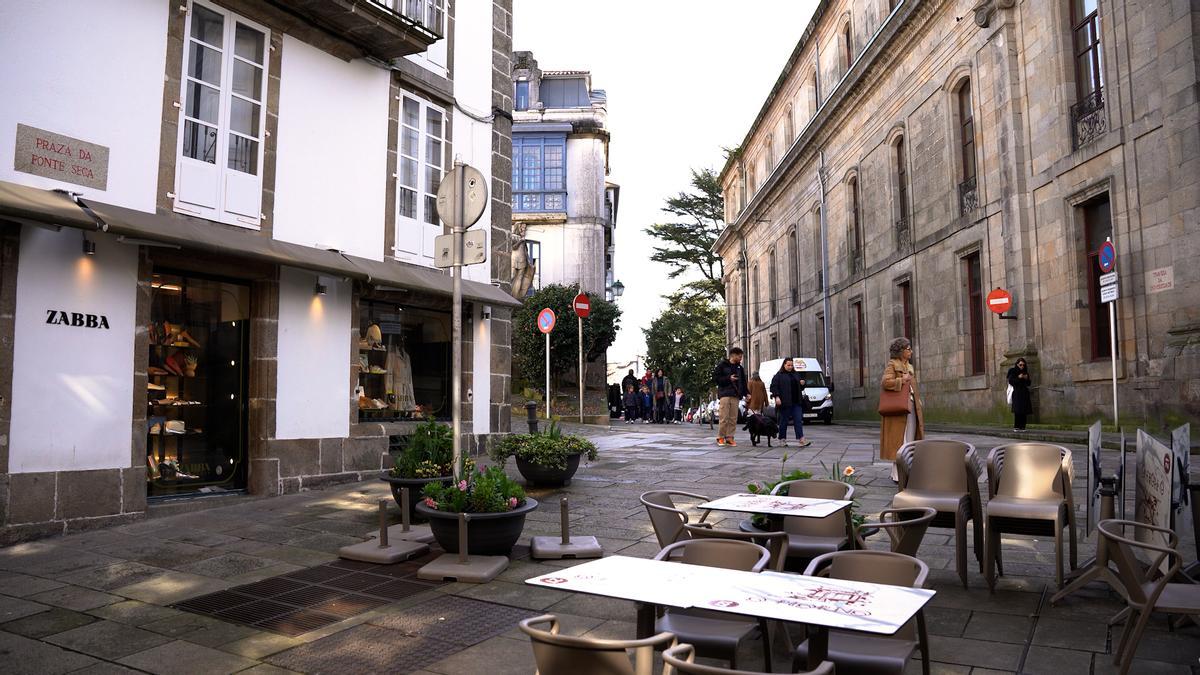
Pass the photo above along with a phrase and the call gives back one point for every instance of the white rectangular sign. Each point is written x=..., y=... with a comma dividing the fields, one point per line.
x=1152, y=489
x=1106, y=279
x=804, y=507
x=1161, y=279
x=474, y=249
x=1108, y=293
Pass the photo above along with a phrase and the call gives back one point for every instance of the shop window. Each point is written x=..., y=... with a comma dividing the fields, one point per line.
x=222, y=117
x=196, y=386
x=539, y=172
x=422, y=138
x=403, y=366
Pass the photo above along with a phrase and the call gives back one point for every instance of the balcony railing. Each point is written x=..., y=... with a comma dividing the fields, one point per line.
x=1087, y=119
x=968, y=196
x=903, y=234
x=429, y=14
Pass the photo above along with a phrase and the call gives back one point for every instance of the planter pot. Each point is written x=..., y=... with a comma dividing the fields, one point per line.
x=536, y=474
x=415, y=486
x=487, y=533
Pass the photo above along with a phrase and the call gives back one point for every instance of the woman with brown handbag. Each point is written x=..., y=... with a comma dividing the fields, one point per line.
x=899, y=403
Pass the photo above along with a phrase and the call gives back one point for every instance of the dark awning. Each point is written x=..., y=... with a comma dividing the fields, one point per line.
x=25, y=204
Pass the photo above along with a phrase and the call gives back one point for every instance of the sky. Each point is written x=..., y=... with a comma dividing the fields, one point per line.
x=684, y=78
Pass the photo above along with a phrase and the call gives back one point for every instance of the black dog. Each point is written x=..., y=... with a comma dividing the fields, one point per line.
x=761, y=425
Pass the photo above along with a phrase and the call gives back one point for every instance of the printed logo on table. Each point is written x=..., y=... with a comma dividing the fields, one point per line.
x=552, y=580
x=723, y=603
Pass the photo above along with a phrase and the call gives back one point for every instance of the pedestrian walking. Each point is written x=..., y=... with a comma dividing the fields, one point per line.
x=660, y=391
x=631, y=400
x=647, y=405
x=678, y=403
x=758, y=395
x=899, y=403
x=787, y=389
x=1018, y=397
x=730, y=378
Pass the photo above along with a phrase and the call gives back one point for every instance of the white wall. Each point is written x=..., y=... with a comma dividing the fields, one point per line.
x=92, y=71
x=332, y=151
x=312, y=398
x=473, y=91
x=585, y=178
x=72, y=394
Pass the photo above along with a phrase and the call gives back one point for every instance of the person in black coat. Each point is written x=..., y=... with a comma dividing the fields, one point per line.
x=730, y=378
x=787, y=390
x=1022, y=406
x=632, y=401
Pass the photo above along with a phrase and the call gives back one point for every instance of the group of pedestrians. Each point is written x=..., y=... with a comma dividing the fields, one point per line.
x=651, y=399
x=786, y=393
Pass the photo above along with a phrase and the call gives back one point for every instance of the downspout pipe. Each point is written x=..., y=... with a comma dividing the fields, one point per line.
x=821, y=178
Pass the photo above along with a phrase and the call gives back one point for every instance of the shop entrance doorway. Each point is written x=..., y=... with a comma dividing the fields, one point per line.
x=197, y=386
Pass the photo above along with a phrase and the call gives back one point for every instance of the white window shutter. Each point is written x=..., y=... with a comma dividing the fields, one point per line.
x=243, y=196
x=199, y=184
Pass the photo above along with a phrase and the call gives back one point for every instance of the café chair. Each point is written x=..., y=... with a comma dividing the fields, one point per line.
x=716, y=634
x=943, y=475
x=905, y=528
x=1147, y=589
x=858, y=652
x=681, y=659
x=1029, y=492
x=667, y=519
x=811, y=537
x=775, y=542
x=554, y=653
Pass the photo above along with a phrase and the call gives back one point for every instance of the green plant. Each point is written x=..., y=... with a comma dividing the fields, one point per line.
x=762, y=521
x=489, y=491
x=849, y=476
x=427, y=453
x=529, y=345
x=549, y=448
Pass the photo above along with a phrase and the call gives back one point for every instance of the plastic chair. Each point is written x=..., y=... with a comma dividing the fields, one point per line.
x=944, y=476
x=856, y=652
x=716, y=634
x=556, y=653
x=1148, y=589
x=680, y=659
x=667, y=519
x=775, y=542
x=905, y=530
x=811, y=537
x=1029, y=492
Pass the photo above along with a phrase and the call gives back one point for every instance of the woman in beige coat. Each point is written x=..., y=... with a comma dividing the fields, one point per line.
x=896, y=430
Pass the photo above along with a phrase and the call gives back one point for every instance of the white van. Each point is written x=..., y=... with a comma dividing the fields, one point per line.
x=817, y=388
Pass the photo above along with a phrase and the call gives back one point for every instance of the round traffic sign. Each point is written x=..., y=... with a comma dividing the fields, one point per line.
x=467, y=184
x=546, y=320
x=1107, y=257
x=582, y=306
x=999, y=301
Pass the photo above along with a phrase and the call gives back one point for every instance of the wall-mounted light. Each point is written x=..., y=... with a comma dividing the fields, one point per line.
x=89, y=246
x=319, y=289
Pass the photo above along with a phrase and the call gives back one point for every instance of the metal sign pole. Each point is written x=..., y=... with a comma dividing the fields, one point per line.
x=456, y=320
x=580, y=319
x=547, y=377
x=1112, y=339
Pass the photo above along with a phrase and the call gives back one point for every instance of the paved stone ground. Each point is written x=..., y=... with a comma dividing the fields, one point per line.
x=98, y=602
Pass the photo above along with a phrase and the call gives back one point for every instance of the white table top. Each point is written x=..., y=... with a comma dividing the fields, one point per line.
x=849, y=605
x=777, y=505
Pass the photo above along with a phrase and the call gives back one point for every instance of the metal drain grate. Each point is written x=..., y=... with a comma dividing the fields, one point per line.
x=308, y=599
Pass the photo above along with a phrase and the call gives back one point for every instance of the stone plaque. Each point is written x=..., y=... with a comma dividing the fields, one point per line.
x=71, y=160
x=1161, y=279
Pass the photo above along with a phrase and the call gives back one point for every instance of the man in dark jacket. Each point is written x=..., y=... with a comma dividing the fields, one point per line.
x=630, y=380
x=730, y=378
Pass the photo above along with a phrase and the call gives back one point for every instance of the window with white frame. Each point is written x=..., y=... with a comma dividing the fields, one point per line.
x=222, y=117
x=421, y=161
x=432, y=15
x=539, y=172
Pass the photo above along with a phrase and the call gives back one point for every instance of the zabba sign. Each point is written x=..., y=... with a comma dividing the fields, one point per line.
x=71, y=160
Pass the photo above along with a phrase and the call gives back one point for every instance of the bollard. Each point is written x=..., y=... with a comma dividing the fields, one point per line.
x=531, y=416
x=566, y=522
x=404, y=506
x=383, y=526
x=462, y=538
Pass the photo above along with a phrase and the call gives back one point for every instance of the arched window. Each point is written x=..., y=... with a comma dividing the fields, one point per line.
x=756, y=294
x=900, y=159
x=815, y=99
x=847, y=45
x=965, y=129
x=789, y=127
x=793, y=266
x=773, y=282
x=770, y=155
x=855, y=233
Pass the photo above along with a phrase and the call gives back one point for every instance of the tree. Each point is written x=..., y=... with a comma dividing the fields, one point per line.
x=686, y=341
x=529, y=345
x=688, y=242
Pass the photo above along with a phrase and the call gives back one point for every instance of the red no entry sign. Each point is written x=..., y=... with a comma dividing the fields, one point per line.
x=546, y=320
x=582, y=306
x=999, y=301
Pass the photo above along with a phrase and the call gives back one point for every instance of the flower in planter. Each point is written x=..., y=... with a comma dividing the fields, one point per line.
x=488, y=491
x=848, y=471
x=849, y=476
x=427, y=453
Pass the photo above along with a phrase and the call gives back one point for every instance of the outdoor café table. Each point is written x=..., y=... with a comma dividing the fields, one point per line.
x=777, y=505
x=818, y=602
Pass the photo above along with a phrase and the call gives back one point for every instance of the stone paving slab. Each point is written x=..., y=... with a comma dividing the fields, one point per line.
x=25, y=656
x=107, y=640
x=185, y=657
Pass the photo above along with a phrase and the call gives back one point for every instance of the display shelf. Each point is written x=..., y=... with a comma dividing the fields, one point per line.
x=175, y=346
x=163, y=434
x=168, y=405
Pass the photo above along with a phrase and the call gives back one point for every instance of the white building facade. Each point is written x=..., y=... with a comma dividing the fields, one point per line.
x=563, y=203
x=216, y=267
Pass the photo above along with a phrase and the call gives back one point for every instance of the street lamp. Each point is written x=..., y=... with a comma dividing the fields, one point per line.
x=618, y=289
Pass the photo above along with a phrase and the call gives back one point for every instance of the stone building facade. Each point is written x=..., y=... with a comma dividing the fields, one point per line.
x=217, y=269
x=915, y=155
